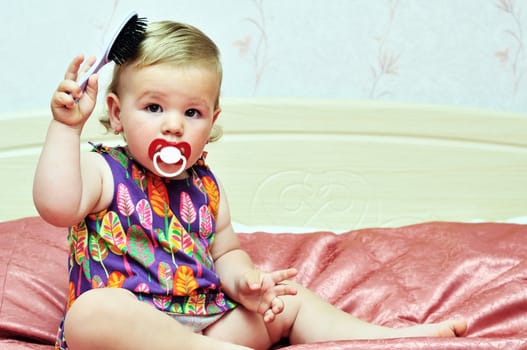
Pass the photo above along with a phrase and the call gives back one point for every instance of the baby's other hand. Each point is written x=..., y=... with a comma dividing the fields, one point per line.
x=260, y=291
x=69, y=104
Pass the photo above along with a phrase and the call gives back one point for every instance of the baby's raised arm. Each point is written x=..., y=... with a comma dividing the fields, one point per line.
x=67, y=186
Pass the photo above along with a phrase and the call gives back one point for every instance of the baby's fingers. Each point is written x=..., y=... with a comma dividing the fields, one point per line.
x=277, y=305
x=284, y=289
x=269, y=316
x=282, y=275
x=277, y=277
x=89, y=63
x=271, y=300
x=73, y=69
x=92, y=88
x=65, y=95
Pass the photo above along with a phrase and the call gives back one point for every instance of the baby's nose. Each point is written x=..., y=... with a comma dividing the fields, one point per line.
x=173, y=123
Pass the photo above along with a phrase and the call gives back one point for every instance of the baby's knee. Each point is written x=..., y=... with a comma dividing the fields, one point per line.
x=97, y=302
x=93, y=312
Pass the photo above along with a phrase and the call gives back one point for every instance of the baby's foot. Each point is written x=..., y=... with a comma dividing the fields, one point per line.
x=450, y=328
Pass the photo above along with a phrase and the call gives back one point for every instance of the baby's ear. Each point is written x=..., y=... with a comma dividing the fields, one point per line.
x=216, y=114
x=114, y=112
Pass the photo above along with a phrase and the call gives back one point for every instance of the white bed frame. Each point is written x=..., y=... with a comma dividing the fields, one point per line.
x=332, y=164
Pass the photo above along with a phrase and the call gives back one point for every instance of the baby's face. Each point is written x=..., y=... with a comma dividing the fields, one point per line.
x=166, y=105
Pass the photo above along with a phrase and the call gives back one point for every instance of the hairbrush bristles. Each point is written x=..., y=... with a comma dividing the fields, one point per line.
x=128, y=40
x=122, y=45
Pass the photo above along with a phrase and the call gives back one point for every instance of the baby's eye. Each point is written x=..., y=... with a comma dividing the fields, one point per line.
x=192, y=113
x=154, y=108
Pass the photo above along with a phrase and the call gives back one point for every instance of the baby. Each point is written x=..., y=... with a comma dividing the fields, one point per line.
x=154, y=260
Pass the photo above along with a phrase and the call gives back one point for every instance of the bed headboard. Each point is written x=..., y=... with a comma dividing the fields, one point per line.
x=333, y=164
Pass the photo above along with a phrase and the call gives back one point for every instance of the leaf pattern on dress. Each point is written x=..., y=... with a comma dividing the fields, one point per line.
x=196, y=304
x=176, y=308
x=158, y=194
x=198, y=183
x=97, y=282
x=205, y=222
x=187, y=211
x=214, y=195
x=72, y=241
x=180, y=239
x=142, y=288
x=139, y=177
x=97, y=216
x=98, y=250
x=71, y=295
x=162, y=302
x=79, y=241
x=168, y=241
x=144, y=210
x=165, y=276
x=86, y=269
x=121, y=157
x=112, y=232
x=124, y=200
x=139, y=246
x=116, y=280
x=184, y=281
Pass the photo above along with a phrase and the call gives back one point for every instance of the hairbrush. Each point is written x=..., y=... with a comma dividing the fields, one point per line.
x=121, y=46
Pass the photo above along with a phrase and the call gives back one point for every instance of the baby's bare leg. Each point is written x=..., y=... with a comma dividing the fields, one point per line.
x=307, y=318
x=241, y=326
x=110, y=318
x=316, y=320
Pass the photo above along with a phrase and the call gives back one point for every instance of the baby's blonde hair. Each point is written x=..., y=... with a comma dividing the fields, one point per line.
x=179, y=44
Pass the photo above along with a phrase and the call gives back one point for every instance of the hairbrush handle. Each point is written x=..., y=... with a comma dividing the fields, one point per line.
x=97, y=65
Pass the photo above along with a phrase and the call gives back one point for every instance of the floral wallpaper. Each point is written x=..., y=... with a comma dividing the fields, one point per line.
x=469, y=53
x=513, y=55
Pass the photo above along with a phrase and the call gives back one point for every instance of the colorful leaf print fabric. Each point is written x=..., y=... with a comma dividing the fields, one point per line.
x=153, y=240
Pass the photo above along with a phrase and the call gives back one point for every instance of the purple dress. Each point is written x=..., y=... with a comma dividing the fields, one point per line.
x=153, y=240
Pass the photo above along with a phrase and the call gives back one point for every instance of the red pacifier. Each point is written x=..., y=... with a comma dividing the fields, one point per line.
x=162, y=151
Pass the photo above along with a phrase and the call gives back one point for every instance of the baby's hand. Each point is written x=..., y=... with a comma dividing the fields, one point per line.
x=260, y=291
x=69, y=104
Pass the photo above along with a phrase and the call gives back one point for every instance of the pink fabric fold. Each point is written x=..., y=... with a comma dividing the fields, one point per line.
x=415, y=274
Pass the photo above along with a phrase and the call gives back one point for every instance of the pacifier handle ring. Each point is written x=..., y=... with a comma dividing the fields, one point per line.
x=174, y=174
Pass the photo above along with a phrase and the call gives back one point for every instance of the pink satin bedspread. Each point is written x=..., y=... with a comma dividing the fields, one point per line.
x=394, y=277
